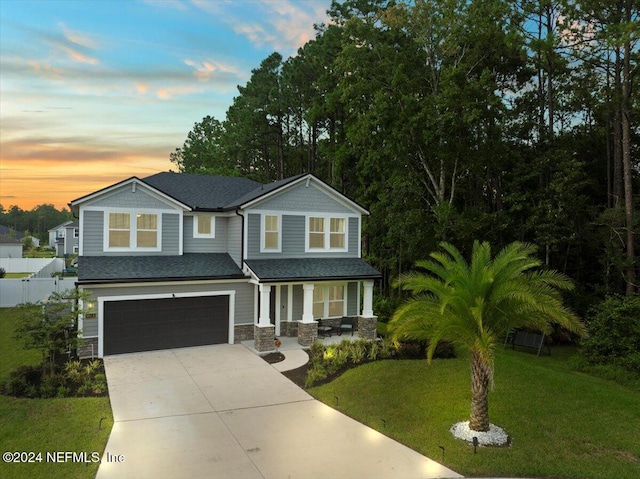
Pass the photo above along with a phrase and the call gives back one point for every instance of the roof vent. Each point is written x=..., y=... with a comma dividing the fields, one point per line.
x=308, y=179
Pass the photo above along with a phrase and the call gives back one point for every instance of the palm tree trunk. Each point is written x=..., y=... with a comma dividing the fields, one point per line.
x=480, y=377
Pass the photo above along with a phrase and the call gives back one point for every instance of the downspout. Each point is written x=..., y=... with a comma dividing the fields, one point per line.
x=241, y=239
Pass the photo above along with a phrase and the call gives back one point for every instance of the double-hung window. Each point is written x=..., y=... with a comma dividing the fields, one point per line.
x=271, y=239
x=119, y=230
x=326, y=233
x=147, y=230
x=132, y=231
x=328, y=301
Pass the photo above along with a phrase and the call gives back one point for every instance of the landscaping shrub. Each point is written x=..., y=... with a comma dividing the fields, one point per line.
x=358, y=351
x=23, y=382
x=3, y=272
x=614, y=334
x=73, y=379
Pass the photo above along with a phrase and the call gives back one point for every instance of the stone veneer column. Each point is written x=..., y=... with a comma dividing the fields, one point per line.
x=307, y=333
x=368, y=327
x=263, y=338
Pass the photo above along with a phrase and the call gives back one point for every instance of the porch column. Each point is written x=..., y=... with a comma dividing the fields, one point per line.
x=307, y=303
x=265, y=303
x=307, y=328
x=264, y=331
x=367, y=303
x=367, y=322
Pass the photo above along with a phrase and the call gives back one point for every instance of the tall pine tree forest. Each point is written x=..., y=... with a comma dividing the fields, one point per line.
x=453, y=120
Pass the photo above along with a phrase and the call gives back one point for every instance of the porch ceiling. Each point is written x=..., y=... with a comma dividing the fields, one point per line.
x=311, y=269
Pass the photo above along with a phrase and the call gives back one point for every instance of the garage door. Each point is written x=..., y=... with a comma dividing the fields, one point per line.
x=150, y=324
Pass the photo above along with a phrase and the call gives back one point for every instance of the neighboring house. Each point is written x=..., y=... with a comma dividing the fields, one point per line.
x=6, y=231
x=177, y=260
x=10, y=247
x=65, y=238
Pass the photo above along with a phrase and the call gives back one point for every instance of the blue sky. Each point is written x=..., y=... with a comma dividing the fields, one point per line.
x=92, y=92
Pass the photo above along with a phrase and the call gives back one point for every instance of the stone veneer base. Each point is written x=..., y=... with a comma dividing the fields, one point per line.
x=307, y=333
x=368, y=327
x=263, y=337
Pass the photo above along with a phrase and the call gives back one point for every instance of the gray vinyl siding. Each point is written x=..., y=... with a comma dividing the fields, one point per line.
x=90, y=327
x=125, y=198
x=352, y=299
x=297, y=302
x=93, y=236
x=304, y=199
x=244, y=294
x=170, y=234
x=92, y=233
x=205, y=245
x=234, y=238
x=293, y=239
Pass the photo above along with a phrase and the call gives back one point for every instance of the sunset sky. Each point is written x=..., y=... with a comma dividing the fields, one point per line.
x=93, y=92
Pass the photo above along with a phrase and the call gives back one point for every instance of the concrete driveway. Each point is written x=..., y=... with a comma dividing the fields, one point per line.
x=222, y=412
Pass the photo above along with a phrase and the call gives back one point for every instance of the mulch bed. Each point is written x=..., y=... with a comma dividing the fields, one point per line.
x=296, y=375
x=273, y=358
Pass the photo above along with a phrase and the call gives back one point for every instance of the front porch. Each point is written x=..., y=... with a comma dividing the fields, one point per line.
x=292, y=344
x=293, y=310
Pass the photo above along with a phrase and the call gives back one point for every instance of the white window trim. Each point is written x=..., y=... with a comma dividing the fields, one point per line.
x=133, y=227
x=327, y=234
x=263, y=248
x=195, y=226
x=325, y=296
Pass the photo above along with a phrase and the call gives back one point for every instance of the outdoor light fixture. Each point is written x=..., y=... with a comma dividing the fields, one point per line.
x=475, y=444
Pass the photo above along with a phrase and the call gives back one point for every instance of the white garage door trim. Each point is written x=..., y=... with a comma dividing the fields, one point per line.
x=102, y=300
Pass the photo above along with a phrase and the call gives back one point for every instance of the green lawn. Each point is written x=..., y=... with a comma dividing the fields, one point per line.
x=46, y=425
x=16, y=275
x=563, y=424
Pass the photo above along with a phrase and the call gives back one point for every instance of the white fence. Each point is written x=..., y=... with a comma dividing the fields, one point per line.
x=37, y=286
x=31, y=290
x=39, y=266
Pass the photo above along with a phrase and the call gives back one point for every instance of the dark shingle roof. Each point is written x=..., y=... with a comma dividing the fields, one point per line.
x=302, y=269
x=202, y=191
x=6, y=231
x=97, y=269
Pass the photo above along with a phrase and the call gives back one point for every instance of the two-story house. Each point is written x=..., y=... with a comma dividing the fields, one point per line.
x=64, y=238
x=176, y=260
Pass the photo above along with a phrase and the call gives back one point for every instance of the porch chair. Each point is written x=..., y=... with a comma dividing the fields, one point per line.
x=346, y=324
x=324, y=329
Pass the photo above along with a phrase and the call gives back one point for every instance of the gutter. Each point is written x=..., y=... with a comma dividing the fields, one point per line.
x=158, y=280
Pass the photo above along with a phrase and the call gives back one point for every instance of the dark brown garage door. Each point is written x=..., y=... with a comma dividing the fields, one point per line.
x=150, y=324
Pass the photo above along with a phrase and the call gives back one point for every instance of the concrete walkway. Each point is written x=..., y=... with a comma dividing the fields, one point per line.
x=221, y=411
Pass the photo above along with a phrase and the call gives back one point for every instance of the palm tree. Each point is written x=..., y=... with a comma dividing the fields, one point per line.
x=475, y=305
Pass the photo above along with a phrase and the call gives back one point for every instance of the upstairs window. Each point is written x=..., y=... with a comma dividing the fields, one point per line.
x=271, y=233
x=326, y=233
x=316, y=232
x=147, y=230
x=337, y=233
x=119, y=230
x=204, y=226
x=132, y=231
